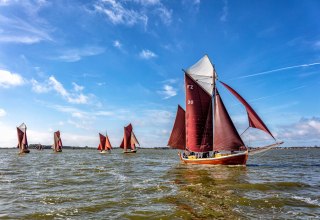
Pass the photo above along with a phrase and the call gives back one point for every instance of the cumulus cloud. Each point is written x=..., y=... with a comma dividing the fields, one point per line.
x=147, y=54
x=306, y=128
x=8, y=79
x=52, y=84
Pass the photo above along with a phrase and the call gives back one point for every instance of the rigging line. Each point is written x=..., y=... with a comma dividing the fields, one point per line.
x=244, y=131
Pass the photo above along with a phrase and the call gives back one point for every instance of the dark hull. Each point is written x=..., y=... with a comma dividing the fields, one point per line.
x=232, y=159
x=130, y=152
x=25, y=151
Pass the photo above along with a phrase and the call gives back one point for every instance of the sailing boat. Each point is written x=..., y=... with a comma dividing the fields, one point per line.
x=193, y=129
x=57, y=146
x=129, y=140
x=104, y=145
x=22, y=139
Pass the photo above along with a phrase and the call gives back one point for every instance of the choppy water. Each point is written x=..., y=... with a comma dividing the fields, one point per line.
x=152, y=184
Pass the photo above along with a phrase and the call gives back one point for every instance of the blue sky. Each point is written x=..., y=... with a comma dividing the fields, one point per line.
x=85, y=67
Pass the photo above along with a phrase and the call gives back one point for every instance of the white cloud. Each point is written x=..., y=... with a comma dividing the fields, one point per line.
x=76, y=97
x=134, y=12
x=2, y=112
x=165, y=15
x=306, y=128
x=117, y=44
x=147, y=54
x=225, y=11
x=76, y=87
x=20, y=30
x=8, y=79
x=39, y=87
x=168, y=92
x=74, y=55
x=118, y=14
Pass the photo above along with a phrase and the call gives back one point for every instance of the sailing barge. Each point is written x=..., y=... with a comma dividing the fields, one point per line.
x=193, y=129
x=129, y=140
x=22, y=139
x=104, y=145
x=57, y=145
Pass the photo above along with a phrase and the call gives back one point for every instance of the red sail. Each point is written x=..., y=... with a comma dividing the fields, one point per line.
x=133, y=141
x=199, y=133
x=108, y=144
x=178, y=134
x=57, y=141
x=126, y=137
x=22, y=137
x=226, y=136
x=102, y=142
x=254, y=120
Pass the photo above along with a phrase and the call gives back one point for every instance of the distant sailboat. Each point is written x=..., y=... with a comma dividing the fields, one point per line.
x=57, y=146
x=129, y=140
x=22, y=139
x=193, y=130
x=104, y=145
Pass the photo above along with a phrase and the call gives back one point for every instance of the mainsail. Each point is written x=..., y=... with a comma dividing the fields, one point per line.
x=22, y=137
x=199, y=134
x=102, y=142
x=253, y=118
x=129, y=139
x=178, y=135
x=57, y=141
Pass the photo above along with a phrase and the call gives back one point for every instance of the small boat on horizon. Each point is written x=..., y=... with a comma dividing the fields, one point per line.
x=22, y=139
x=129, y=140
x=193, y=129
x=57, y=145
x=104, y=145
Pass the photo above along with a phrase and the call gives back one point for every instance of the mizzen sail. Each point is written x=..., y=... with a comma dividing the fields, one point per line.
x=253, y=118
x=178, y=134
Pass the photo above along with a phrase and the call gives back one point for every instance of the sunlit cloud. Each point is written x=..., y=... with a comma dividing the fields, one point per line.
x=9, y=79
x=147, y=54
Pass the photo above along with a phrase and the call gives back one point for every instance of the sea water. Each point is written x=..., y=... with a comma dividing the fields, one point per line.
x=153, y=184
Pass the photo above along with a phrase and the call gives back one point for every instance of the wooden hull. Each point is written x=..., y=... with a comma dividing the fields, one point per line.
x=130, y=152
x=26, y=151
x=103, y=152
x=58, y=151
x=231, y=159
